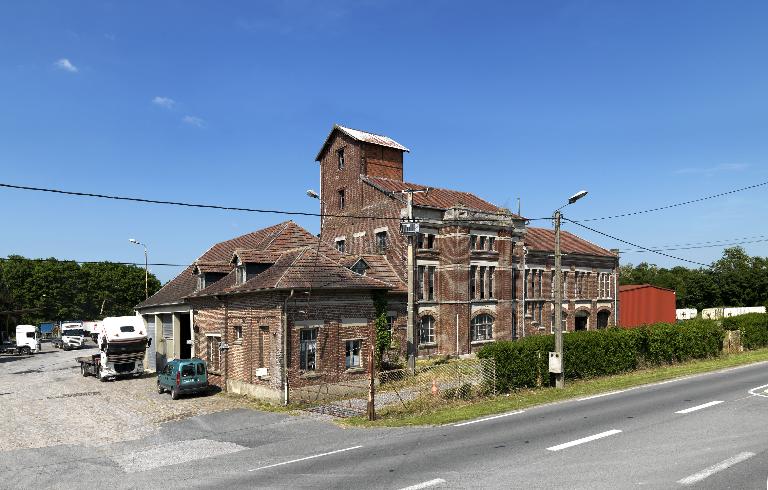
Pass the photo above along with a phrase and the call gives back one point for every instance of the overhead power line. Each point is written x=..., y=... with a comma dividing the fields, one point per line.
x=634, y=244
x=714, y=245
x=190, y=205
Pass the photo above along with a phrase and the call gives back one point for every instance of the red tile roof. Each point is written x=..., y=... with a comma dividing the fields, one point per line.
x=543, y=239
x=365, y=136
x=436, y=197
x=379, y=268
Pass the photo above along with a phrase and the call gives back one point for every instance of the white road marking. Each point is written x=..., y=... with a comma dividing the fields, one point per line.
x=306, y=458
x=489, y=418
x=699, y=407
x=601, y=395
x=584, y=439
x=697, y=477
x=426, y=484
x=764, y=394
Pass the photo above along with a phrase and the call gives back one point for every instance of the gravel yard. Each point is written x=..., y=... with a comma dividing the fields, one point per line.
x=44, y=401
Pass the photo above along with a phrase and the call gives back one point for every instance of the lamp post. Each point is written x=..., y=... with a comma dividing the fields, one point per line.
x=146, y=266
x=559, y=370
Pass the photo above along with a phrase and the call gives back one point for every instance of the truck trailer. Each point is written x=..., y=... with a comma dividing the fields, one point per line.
x=122, y=343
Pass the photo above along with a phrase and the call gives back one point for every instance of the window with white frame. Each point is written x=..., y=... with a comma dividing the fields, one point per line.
x=604, y=285
x=352, y=357
x=425, y=241
x=482, y=242
x=340, y=155
x=212, y=352
x=382, y=242
x=340, y=245
x=342, y=199
x=482, y=327
x=238, y=332
x=391, y=318
x=481, y=279
x=307, y=349
x=427, y=330
x=240, y=274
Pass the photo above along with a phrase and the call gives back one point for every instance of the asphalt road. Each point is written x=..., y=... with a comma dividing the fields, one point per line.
x=707, y=431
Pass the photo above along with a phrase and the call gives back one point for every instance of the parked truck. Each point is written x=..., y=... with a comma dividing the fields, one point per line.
x=72, y=336
x=122, y=343
x=27, y=341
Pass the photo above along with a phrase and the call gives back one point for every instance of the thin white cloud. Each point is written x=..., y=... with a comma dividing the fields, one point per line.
x=724, y=167
x=166, y=102
x=193, y=121
x=66, y=65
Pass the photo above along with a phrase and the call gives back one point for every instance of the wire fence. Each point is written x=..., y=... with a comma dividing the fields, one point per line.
x=401, y=390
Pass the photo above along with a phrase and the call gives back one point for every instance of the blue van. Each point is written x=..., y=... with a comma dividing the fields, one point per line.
x=182, y=376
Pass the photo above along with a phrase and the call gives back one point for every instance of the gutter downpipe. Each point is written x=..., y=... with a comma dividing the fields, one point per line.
x=285, y=348
x=524, y=288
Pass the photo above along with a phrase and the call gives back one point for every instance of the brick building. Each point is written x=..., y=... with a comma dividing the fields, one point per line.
x=481, y=274
x=249, y=295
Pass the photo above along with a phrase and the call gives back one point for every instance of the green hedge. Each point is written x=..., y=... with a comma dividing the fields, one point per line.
x=753, y=328
x=525, y=362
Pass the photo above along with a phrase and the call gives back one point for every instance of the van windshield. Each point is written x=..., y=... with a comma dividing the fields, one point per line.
x=127, y=328
x=188, y=370
x=74, y=332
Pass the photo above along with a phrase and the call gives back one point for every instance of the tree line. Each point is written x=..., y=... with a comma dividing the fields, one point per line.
x=736, y=279
x=53, y=290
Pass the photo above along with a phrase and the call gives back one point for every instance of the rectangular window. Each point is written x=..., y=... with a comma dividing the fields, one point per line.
x=340, y=155
x=420, y=281
x=238, y=332
x=565, y=285
x=430, y=241
x=514, y=283
x=427, y=330
x=382, y=242
x=240, y=275
x=552, y=284
x=472, y=242
x=307, y=349
x=431, y=283
x=352, y=359
x=342, y=199
x=340, y=244
x=491, y=243
x=472, y=273
x=391, y=326
x=213, y=353
x=481, y=281
x=481, y=242
x=167, y=320
x=491, y=271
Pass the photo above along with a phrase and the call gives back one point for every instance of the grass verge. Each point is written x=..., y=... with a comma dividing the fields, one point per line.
x=457, y=411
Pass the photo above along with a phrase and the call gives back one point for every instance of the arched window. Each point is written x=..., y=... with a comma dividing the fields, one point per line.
x=482, y=327
x=602, y=318
x=427, y=330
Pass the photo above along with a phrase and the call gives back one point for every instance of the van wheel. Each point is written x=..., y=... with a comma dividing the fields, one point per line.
x=83, y=371
x=174, y=394
x=160, y=388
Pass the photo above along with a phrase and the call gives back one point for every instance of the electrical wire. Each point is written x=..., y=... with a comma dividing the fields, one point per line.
x=699, y=246
x=634, y=244
x=191, y=205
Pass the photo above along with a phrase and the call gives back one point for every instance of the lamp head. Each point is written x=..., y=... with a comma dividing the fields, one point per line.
x=313, y=194
x=576, y=197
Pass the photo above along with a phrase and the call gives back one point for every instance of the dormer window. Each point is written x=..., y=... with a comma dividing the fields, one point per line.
x=240, y=274
x=200, y=281
x=340, y=155
x=360, y=267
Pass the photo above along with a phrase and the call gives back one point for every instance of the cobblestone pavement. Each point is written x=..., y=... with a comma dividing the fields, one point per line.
x=44, y=401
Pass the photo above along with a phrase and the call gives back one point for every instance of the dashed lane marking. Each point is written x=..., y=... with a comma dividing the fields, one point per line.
x=426, y=484
x=700, y=407
x=583, y=440
x=707, y=472
x=763, y=393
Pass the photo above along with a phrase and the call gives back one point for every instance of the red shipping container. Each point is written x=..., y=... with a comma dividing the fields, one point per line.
x=641, y=304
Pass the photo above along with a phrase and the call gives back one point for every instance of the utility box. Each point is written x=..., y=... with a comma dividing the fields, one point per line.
x=555, y=363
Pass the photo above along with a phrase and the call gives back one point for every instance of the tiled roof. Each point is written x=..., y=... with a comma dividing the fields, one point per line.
x=255, y=256
x=175, y=290
x=543, y=239
x=356, y=134
x=213, y=267
x=379, y=268
x=436, y=197
x=301, y=268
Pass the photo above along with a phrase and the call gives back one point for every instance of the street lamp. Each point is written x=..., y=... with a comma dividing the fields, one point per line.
x=558, y=367
x=146, y=267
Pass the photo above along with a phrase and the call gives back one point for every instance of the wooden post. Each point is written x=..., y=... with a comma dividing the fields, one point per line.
x=371, y=388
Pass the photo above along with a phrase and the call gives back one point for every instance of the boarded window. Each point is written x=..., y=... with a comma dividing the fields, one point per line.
x=167, y=320
x=212, y=353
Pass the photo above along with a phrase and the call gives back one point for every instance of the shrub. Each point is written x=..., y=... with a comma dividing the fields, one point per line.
x=753, y=328
x=525, y=362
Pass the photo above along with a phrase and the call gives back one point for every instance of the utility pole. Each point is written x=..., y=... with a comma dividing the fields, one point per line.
x=411, y=263
x=558, y=366
x=559, y=376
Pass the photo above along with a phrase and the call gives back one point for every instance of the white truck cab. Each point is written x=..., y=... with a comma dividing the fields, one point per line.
x=123, y=342
x=28, y=337
x=72, y=335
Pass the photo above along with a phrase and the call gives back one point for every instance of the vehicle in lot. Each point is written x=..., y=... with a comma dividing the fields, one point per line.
x=122, y=345
x=72, y=336
x=182, y=376
x=27, y=341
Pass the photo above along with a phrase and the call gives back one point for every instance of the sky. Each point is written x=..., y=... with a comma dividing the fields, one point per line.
x=643, y=104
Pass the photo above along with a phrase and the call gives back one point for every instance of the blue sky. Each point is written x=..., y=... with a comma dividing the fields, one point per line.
x=641, y=103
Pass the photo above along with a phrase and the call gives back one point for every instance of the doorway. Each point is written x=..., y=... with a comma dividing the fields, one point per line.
x=185, y=336
x=581, y=320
